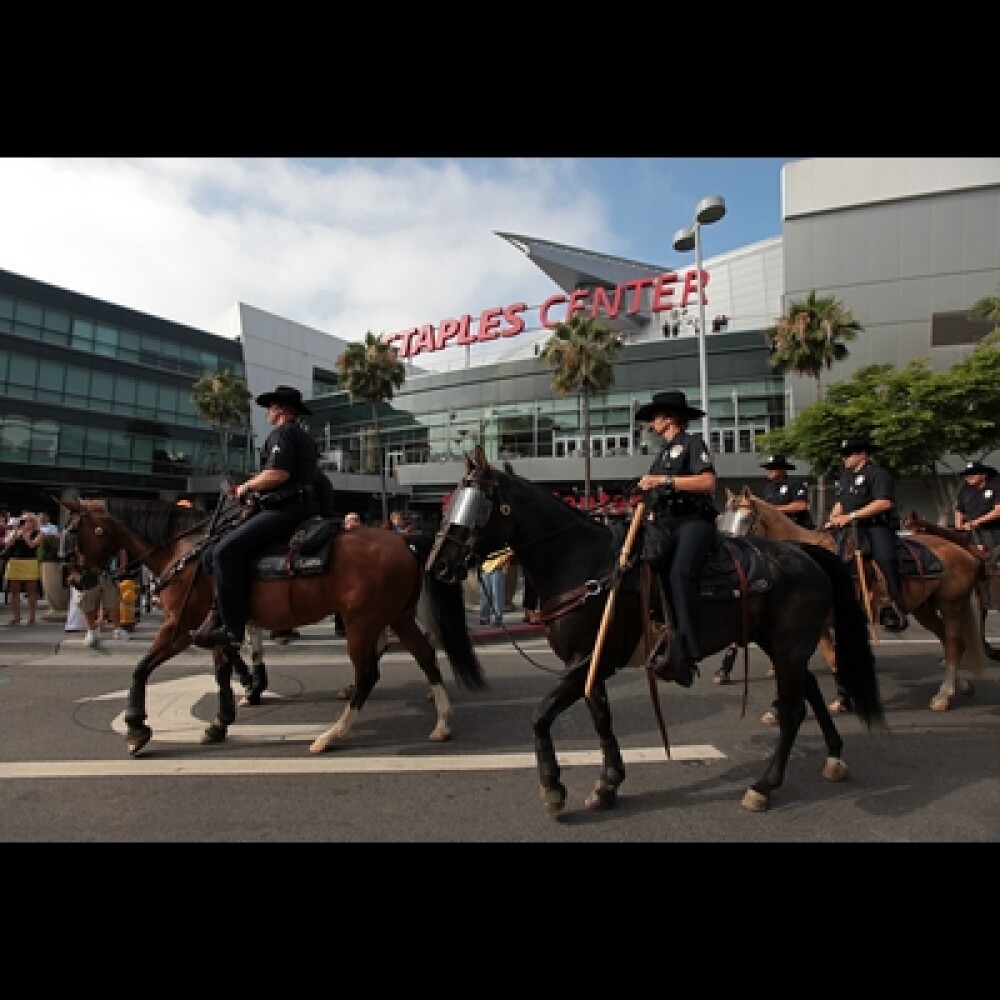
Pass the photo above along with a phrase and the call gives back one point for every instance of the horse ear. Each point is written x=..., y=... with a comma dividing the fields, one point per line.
x=730, y=496
x=747, y=493
x=481, y=460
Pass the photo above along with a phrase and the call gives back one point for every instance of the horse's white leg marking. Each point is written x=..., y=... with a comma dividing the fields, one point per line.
x=338, y=731
x=442, y=706
x=942, y=700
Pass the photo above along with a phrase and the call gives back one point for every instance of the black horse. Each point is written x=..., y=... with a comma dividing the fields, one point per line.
x=574, y=563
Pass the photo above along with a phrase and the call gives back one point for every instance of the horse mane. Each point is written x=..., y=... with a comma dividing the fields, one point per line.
x=158, y=522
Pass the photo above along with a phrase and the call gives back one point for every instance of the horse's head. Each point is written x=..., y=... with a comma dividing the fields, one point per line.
x=740, y=514
x=91, y=538
x=476, y=523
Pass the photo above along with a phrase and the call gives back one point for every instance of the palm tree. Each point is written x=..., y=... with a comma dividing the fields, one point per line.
x=223, y=400
x=371, y=371
x=807, y=339
x=582, y=352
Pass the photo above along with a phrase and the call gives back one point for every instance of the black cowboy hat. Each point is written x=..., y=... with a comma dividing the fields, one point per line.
x=852, y=445
x=974, y=468
x=668, y=402
x=284, y=395
x=778, y=462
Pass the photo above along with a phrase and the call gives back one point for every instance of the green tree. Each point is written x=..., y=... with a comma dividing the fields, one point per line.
x=920, y=419
x=224, y=401
x=371, y=371
x=809, y=338
x=582, y=352
x=988, y=308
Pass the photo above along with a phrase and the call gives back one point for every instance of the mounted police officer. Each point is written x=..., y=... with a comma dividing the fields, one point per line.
x=977, y=508
x=682, y=481
x=866, y=493
x=789, y=494
x=284, y=494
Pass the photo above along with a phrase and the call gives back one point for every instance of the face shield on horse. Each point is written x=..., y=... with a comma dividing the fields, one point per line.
x=373, y=578
x=573, y=562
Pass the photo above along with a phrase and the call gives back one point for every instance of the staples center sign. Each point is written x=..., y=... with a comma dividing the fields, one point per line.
x=508, y=321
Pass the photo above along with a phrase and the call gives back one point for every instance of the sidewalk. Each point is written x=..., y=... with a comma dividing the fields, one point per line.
x=48, y=636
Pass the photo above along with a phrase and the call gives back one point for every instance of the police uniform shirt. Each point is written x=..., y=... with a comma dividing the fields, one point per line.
x=290, y=448
x=779, y=492
x=973, y=502
x=686, y=455
x=857, y=489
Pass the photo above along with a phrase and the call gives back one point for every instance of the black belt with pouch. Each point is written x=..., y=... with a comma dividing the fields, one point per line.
x=277, y=499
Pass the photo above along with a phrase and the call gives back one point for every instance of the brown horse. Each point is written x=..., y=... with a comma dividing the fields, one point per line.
x=949, y=604
x=374, y=580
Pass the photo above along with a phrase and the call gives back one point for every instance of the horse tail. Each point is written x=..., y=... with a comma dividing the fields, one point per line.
x=855, y=659
x=444, y=606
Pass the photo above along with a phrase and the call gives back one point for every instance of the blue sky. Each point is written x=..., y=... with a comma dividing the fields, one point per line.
x=350, y=245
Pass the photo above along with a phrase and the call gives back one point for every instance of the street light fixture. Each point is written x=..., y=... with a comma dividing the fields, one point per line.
x=708, y=210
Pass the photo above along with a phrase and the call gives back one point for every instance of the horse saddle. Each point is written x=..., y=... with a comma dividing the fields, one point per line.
x=914, y=560
x=306, y=553
x=734, y=566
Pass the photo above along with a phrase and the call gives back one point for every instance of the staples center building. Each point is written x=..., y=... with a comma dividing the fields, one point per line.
x=96, y=397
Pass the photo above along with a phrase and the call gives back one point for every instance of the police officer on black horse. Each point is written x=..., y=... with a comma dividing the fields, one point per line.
x=682, y=480
x=285, y=494
x=789, y=494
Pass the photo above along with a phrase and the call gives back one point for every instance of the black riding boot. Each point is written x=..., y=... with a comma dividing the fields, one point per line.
x=212, y=632
x=670, y=661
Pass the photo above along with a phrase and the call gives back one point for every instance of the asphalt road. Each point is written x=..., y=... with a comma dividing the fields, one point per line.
x=66, y=776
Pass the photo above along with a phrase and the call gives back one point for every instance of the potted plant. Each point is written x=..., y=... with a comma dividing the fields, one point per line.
x=50, y=571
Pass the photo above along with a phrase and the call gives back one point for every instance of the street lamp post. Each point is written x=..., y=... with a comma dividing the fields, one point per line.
x=708, y=210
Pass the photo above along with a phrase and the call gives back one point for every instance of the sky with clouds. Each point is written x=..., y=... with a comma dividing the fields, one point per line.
x=351, y=245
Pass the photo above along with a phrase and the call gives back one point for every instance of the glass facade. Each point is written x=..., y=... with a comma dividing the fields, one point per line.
x=97, y=397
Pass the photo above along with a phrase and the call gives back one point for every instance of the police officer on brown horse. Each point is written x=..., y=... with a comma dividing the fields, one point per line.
x=790, y=494
x=284, y=494
x=682, y=478
x=866, y=493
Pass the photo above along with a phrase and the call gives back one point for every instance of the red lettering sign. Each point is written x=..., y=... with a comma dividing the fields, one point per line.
x=508, y=321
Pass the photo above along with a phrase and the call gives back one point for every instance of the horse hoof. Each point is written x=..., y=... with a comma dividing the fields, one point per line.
x=554, y=800
x=601, y=798
x=839, y=705
x=835, y=770
x=755, y=802
x=346, y=694
x=138, y=739
x=214, y=734
x=722, y=676
x=965, y=686
x=249, y=700
x=439, y=736
x=940, y=703
x=769, y=718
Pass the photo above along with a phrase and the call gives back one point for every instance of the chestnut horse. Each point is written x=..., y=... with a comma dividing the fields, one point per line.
x=573, y=563
x=374, y=579
x=948, y=605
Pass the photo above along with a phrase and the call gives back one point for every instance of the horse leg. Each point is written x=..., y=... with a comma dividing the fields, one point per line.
x=219, y=726
x=413, y=639
x=137, y=733
x=361, y=647
x=722, y=674
x=255, y=684
x=605, y=793
x=949, y=634
x=835, y=769
x=568, y=691
x=791, y=712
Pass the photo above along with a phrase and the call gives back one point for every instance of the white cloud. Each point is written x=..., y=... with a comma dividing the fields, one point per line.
x=343, y=246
